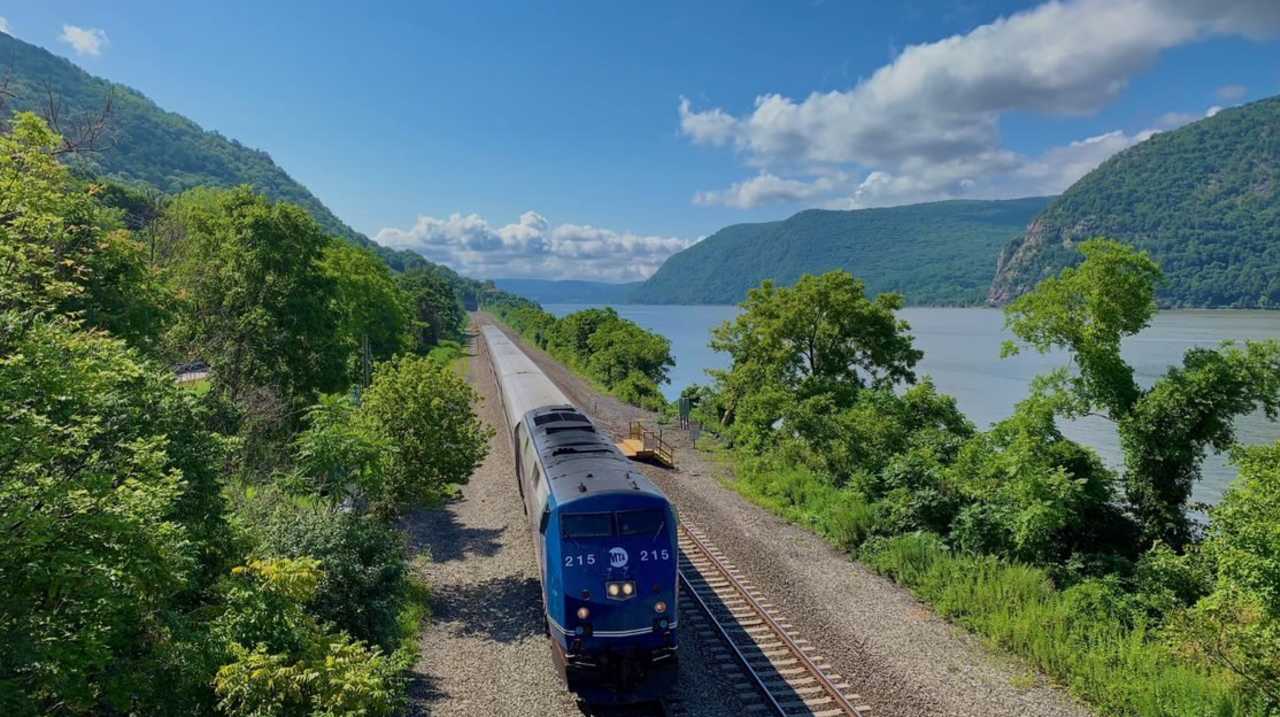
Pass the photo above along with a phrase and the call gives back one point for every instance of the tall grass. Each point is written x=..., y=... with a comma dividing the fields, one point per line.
x=802, y=496
x=1073, y=635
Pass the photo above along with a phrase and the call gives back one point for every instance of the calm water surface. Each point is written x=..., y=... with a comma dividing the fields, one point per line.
x=962, y=354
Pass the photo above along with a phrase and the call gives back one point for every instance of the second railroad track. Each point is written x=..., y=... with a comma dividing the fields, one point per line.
x=776, y=671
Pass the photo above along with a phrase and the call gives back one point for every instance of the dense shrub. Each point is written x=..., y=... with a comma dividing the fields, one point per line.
x=361, y=562
x=626, y=360
x=113, y=519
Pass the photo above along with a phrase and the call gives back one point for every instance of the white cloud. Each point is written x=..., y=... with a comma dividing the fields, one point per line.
x=85, y=40
x=1232, y=93
x=926, y=125
x=766, y=188
x=532, y=247
x=4, y=26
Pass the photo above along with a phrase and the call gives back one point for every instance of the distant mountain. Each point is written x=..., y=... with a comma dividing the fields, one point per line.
x=546, y=291
x=1203, y=199
x=941, y=253
x=146, y=146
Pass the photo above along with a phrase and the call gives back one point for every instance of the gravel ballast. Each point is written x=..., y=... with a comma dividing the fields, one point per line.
x=895, y=652
x=484, y=651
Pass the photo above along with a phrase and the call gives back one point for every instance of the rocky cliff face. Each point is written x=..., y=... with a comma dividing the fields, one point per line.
x=1203, y=200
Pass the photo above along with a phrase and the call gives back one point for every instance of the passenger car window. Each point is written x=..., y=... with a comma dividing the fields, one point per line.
x=542, y=524
x=640, y=522
x=586, y=525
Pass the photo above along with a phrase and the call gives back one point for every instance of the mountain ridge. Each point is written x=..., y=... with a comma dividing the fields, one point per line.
x=1203, y=199
x=935, y=253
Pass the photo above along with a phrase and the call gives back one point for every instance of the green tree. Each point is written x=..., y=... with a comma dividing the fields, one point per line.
x=434, y=309
x=257, y=303
x=112, y=523
x=61, y=251
x=1088, y=310
x=422, y=412
x=821, y=337
x=1032, y=494
x=1237, y=626
x=368, y=306
x=1165, y=430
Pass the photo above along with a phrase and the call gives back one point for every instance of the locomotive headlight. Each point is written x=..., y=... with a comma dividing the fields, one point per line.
x=660, y=607
x=583, y=613
x=628, y=589
x=614, y=589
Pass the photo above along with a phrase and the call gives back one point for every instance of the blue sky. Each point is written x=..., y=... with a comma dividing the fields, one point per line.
x=591, y=140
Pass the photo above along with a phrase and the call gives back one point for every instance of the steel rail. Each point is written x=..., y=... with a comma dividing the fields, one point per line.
x=828, y=687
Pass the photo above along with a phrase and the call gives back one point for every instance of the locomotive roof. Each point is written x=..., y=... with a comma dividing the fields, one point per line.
x=580, y=461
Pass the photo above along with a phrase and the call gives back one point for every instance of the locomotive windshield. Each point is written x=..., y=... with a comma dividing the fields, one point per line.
x=586, y=525
x=641, y=522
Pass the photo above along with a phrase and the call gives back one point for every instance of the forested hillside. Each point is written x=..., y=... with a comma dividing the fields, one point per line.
x=146, y=145
x=1204, y=200
x=941, y=253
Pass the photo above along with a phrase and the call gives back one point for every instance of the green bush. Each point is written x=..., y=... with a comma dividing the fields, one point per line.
x=110, y=494
x=625, y=359
x=361, y=561
x=283, y=663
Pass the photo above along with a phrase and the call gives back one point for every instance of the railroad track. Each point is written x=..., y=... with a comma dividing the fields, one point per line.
x=774, y=670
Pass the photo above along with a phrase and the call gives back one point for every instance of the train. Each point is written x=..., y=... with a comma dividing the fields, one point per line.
x=604, y=537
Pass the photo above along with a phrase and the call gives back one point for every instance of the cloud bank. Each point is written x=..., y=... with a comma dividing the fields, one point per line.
x=927, y=124
x=85, y=40
x=533, y=248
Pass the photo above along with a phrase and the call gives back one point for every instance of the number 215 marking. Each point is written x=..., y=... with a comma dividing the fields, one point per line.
x=647, y=555
x=588, y=559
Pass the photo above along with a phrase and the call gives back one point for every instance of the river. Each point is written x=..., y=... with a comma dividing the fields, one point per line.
x=962, y=354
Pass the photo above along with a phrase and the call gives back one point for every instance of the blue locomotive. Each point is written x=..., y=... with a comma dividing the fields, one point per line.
x=605, y=540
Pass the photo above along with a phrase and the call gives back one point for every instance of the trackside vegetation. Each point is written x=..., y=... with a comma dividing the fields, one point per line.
x=230, y=550
x=1097, y=577
x=625, y=359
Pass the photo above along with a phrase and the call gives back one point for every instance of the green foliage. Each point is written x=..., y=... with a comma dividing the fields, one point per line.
x=822, y=340
x=360, y=559
x=1164, y=430
x=435, y=311
x=368, y=305
x=627, y=360
x=1190, y=409
x=1088, y=636
x=1017, y=532
x=940, y=253
x=122, y=504
x=284, y=663
x=112, y=518
x=1236, y=627
x=1202, y=200
x=1087, y=311
x=61, y=251
x=1032, y=494
x=432, y=438
x=256, y=297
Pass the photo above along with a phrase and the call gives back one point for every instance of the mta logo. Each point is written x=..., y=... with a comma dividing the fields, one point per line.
x=618, y=557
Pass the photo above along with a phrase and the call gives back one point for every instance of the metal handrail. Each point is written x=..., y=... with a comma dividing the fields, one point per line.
x=651, y=441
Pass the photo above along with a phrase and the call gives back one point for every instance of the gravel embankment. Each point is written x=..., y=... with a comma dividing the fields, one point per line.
x=484, y=652
x=900, y=657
